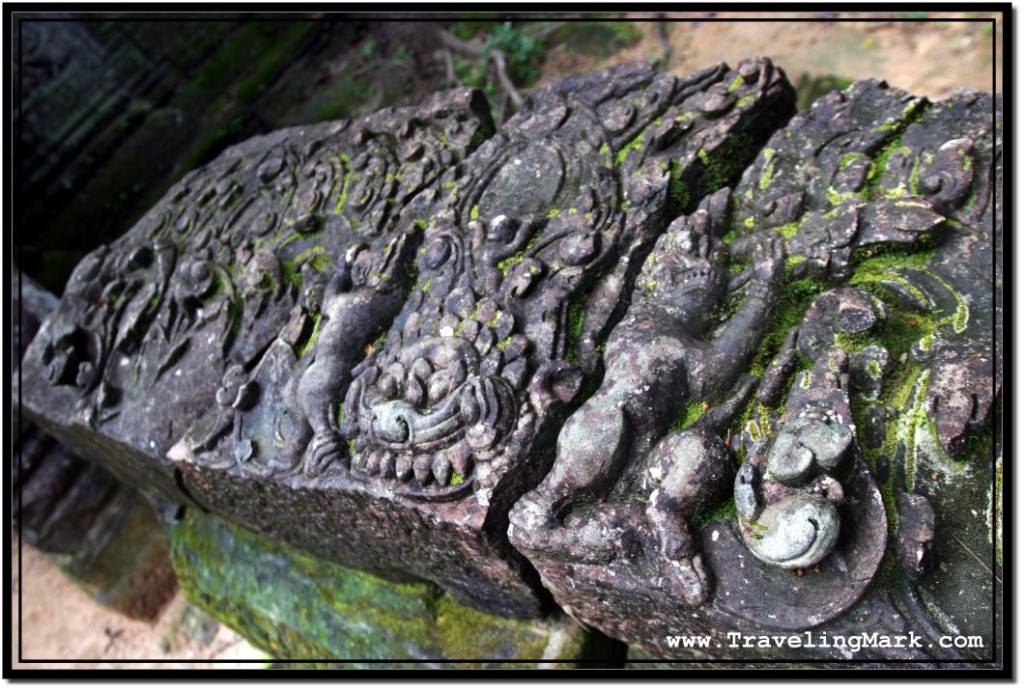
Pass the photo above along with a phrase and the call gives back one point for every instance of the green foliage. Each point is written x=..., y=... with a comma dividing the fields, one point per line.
x=598, y=39
x=368, y=49
x=401, y=53
x=246, y=65
x=274, y=59
x=480, y=22
x=809, y=89
x=523, y=53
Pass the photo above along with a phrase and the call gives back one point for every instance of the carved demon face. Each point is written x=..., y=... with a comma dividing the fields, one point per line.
x=690, y=274
x=426, y=419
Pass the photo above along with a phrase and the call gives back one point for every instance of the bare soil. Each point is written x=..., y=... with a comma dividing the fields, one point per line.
x=926, y=58
x=56, y=625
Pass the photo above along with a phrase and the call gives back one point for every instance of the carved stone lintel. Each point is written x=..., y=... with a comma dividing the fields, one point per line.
x=527, y=364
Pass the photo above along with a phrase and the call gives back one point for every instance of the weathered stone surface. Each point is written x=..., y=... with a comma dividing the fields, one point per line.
x=313, y=613
x=869, y=284
x=533, y=363
x=444, y=422
x=208, y=278
x=829, y=517
x=916, y=534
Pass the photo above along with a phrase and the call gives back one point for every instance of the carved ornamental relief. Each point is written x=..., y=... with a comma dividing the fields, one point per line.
x=706, y=396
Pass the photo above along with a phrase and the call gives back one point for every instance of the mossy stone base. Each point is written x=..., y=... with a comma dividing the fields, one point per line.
x=305, y=611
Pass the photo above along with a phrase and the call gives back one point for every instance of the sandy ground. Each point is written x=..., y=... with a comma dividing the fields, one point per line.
x=925, y=58
x=62, y=628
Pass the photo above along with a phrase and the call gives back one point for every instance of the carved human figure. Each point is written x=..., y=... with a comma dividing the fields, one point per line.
x=657, y=359
x=358, y=299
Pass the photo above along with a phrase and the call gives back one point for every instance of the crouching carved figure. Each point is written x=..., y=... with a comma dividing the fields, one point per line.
x=617, y=479
x=365, y=286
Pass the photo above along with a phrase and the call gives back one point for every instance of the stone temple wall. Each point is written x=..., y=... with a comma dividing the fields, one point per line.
x=661, y=358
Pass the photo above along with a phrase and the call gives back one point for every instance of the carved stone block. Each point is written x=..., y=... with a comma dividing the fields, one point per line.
x=658, y=349
x=149, y=327
x=853, y=250
x=419, y=443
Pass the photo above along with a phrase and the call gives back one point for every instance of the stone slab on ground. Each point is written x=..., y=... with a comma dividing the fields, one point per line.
x=655, y=352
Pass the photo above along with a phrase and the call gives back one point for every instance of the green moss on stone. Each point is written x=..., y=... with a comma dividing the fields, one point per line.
x=722, y=165
x=910, y=423
x=853, y=343
x=577, y=312
x=723, y=511
x=636, y=144
x=346, y=168
x=690, y=415
x=678, y=191
x=310, y=255
x=836, y=198
x=506, y=265
x=500, y=638
x=789, y=230
x=297, y=607
x=847, y=159
x=769, y=169
x=307, y=344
